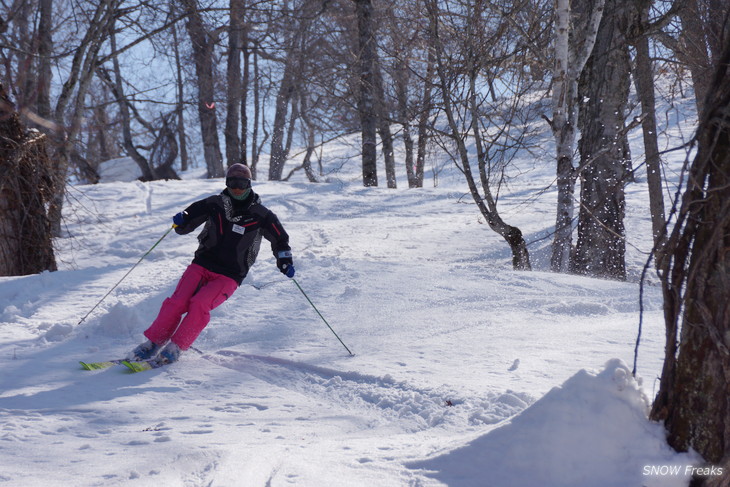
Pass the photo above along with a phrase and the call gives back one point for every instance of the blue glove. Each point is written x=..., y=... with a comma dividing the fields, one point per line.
x=290, y=271
x=285, y=263
x=179, y=219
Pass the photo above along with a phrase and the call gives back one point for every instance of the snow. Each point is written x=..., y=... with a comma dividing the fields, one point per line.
x=465, y=373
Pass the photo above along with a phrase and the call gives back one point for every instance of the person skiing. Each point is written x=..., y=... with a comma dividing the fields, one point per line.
x=235, y=220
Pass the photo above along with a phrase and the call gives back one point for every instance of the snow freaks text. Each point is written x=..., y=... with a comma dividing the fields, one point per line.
x=681, y=470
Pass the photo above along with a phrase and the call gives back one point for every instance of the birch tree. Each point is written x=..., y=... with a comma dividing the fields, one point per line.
x=576, y=27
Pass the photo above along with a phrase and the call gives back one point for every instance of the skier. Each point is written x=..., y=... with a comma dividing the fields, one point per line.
x=235, y=220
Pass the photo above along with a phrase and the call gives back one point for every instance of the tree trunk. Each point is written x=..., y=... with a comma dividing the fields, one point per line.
x=644, y=81
x=366, y=97
x=424, y=117
x=694, y=394
x=311, y=133
x=256, y=114
x=401, y=90
x=45, y=50
x=75, y=88
x=574, y=40
x=25, y=80
x=233, y=78
x=278, y=132
x=483, y=197
x=180, y=108
x=601, y=247
x=694, y=49
x=203, y=56
x=148, y=172
x=26, y=187
x=244, y=98
x=384, y=125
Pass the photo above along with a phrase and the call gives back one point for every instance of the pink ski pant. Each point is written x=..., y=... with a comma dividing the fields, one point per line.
x=198, y=292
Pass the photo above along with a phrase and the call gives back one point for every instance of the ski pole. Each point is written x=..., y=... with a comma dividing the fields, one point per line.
x=320, y=315
x=125, y=275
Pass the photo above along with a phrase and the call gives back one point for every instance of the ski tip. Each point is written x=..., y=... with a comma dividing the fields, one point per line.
x=85, y=366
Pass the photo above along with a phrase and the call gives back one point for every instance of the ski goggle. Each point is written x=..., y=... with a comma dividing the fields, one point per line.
x=238, y=183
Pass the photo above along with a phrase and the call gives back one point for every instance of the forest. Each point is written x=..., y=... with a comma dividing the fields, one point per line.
x=208, y=83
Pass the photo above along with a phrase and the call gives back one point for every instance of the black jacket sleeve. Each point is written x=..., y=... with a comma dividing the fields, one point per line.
x=274, y=232
x=197, y=214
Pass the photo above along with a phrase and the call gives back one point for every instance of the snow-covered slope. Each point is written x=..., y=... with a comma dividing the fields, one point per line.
x=466, y=373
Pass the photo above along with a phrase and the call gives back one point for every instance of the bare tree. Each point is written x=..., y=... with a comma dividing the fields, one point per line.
x=203, y=42
x=366, y=97
x=284, y=97
x=45, y=50
x=644, y=82
x=180, y=95
x=255, y=147
x=245, y=87
x=299, y=35
x=402, y=37
x=605, y=166
x=384, y=120
x=464, y=106
x=234, y=86
x=72, y=97
x=425, y=117
x=693, y=394
x=576, y=27
x=148, y=172
x=700, y=42
x=26, y=187
x=402, y=76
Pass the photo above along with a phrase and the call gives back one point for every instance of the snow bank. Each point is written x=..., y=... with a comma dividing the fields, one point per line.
x=589, y=431
x=120, y=169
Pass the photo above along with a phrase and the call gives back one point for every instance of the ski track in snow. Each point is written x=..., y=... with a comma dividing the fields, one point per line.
x=394, y=400
x=108, y=418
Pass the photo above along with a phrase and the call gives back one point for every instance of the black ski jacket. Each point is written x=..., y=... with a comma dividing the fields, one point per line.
x=230, y=240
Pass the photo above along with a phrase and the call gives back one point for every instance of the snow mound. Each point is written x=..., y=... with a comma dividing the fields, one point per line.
x=120, y=169
x=586, y=432
x=120, y=321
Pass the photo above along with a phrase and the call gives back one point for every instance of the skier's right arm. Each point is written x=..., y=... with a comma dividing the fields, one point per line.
x=192, y=217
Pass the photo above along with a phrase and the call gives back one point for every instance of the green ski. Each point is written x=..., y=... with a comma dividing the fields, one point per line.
x=100, y=365
x=140, y=366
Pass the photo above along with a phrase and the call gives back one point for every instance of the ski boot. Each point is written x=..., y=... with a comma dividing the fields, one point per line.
x=169, y=354
x=144, y=351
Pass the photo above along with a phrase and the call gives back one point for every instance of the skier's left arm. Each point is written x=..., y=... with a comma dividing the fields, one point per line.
x=274, y=232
